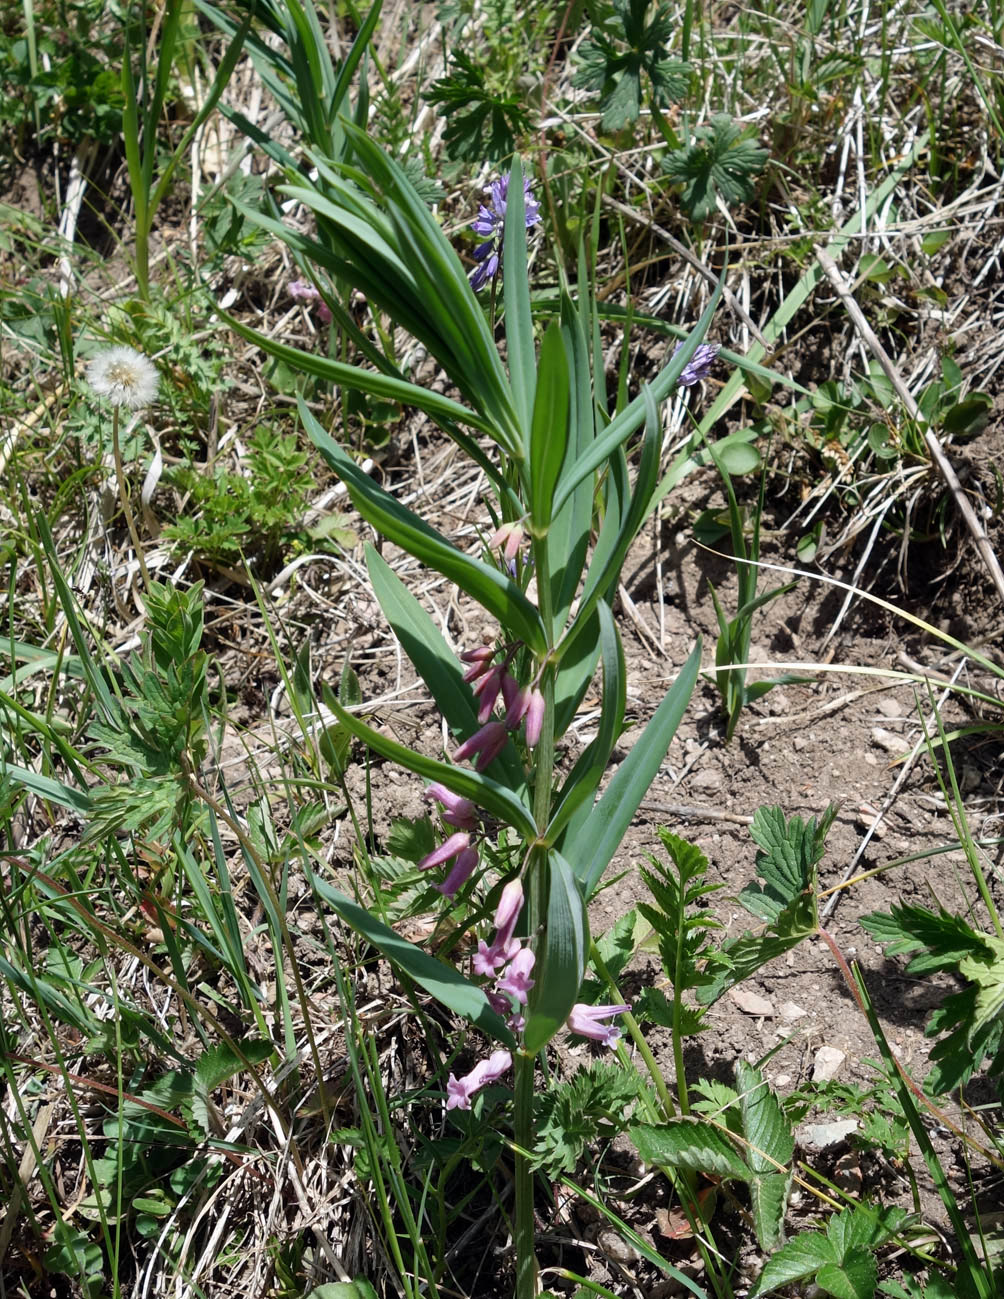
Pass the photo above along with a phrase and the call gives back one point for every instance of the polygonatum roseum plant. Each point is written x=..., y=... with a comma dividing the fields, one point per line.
x=569, y=484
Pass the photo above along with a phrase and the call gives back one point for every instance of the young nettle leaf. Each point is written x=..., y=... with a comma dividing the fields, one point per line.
x=771, y=1143
x=619, y=51
x=722, y=160
x=842, y=1261
x=969, y=1023
x=482, y=124
x=786, y=899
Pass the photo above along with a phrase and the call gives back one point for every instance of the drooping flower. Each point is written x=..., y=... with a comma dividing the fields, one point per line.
x=457, y=810
x=489, y=960
x=460, y=1090
x=450, y=848
x=461, y=872
x=515, y=978
x=534, y=718
x=699, y=365
x=487, y=691
x=480, y=660
x=587, y=1021
x=508, y=538
x=303, y=291
x=487, y=743
x=124, y=376
x=491, y=224
x=517, y=707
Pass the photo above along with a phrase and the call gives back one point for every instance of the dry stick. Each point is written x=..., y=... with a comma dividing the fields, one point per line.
x=933, y=445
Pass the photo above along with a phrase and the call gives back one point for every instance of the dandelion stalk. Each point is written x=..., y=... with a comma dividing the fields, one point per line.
x=124, y=377
x=124, y=499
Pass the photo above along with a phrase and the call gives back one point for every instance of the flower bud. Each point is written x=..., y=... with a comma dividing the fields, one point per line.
x=534, y=718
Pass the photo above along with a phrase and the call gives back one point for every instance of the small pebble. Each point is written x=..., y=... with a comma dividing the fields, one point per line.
x=751, y=1003
x=826, y=1063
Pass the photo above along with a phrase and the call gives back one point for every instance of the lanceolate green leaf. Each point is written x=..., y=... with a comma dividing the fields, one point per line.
x=444, y=982
x=584, y=778
x=576, y=670
x=443, y=284
x=485, y=792
x=568, y=537
x=562, y=959
x=492, y=589
x=549, y=431
x=599, y=838
x=604, y=575
x=438, y=667
x=353, y=376
x=630, y=418
x=516, y=297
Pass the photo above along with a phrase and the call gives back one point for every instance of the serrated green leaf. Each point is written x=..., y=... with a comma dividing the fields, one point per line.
x=771, y=1143
x=771, y=1140
x=864, y=1227
x=480, y=124
x=853, y=1278
x=789, y=853
x=722, y=160
x=986, y=971
x=693, y=1146
x=215, y=1066
x=442, y=981
x=742, y=957
x=946, y=938
x=562, y=960
x=794, y=1261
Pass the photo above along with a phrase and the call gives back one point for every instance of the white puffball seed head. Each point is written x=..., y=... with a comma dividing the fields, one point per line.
x=124, y=376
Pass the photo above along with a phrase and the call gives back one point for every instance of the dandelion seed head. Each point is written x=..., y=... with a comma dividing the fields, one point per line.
x=124, y=376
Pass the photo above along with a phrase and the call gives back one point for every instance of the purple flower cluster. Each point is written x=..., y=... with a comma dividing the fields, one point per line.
x=491, y=681
x=491, y=226
x=508, y=965
x=699, y=365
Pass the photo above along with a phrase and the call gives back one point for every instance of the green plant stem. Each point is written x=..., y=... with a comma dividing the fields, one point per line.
x=638, y=1038
x=523, y=1231
x=523, y=1125
x=124, y=498
x=982, y=1282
